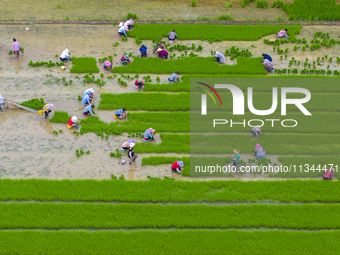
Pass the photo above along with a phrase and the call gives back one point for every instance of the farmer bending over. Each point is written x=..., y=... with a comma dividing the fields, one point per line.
x=143, y=51
x=282, y=33
x=126, y=145
x=268, y=65
x=125, y=59
x=87, y=100
x=88, y=109
x=16, y=47
x=266, y=56
x=236, y=158
x=128, y=24
x=72, y=122
x=259, y=151
x=119, y=114
x=162, y=54
x=121, y=31
x=176, y=167
x=148, y=135
x=47, y=109
x=89, y=92
x=139, y=84
x=220, y=58
x=131, y=153
x=172, y=36
x=65, y=55
x=328, y=175
x=108, y=65
x=172, y=78
x=256, y=130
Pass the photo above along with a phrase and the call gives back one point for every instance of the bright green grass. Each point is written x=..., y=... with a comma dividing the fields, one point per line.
x=117, y=216
x=60, y=117
x=189, y=65
x=169, y=190
x=179, y=242
x=84, y=65
x=209, y=32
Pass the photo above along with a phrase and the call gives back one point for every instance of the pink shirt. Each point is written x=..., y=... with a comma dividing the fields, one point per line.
x=282, y=32
x=328, y=174
x=259, y=151
x=15, y=46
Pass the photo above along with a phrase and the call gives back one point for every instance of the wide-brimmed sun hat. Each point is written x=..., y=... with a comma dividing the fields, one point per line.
x=74, y=119
x=126, y=57
x=258, y=145
x=51, y=106
x=236, y=151
x=132, y=145
x=91, y=90
x=131, y=141
x=151, y=130
x=107, y=63
x=180, y=163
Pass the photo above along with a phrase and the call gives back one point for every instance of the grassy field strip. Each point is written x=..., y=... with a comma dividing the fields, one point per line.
x=157, y=101
x=97, y=216
x=169, y=190
x=262, y=84
x=278, y=144
x=209, y=32
x=176, y=242
x=179, y=122
x=192, y=65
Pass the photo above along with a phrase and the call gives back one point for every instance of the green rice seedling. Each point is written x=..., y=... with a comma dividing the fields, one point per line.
x=60, y=131
x=192, y=65
x=56, y=56
x=244, y=3
x=281, y=57
x=66, y=84
x=207, y=32
x=132, y=16
x=277, y=4
x=81, y=152
x=124, y=38
x=70, y=82
x=115, y=44
x=67, y=17
x=55, y=132
x=330, y=59
x=64, y=79
x=60, y=117
x=58, y=5
x=225, y=17
x=78, y=155
x=158, y=79
x=84, y=65
x=193, y=3
x=286, y=56
x=34, y=103
x=77, y=151
x=102, y=75
x=88, y=152
x=109, y=77
x=261, y=4
x=326, y=56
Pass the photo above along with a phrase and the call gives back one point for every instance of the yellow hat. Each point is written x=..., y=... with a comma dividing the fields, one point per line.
x=236, y=151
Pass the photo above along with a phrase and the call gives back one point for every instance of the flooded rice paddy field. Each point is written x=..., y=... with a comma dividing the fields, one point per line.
x=29, y=149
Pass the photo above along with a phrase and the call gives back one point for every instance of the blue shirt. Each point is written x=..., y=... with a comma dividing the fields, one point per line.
x=143, y=50
x=119, y=112
x=88, y=109
x=268, y=57
x=148, y=135
x=122, y=30
x=86, y=99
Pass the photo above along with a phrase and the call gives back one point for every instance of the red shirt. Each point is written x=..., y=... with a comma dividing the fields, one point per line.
x=175, y=165
x=123, y=59
x=136, y=83
x=70, y=122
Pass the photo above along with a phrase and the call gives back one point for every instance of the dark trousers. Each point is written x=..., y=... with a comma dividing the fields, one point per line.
x=46, y=113
x=63, y=59
x=175, y=169
x=218, y=59
x=122, y=34
x=143, y=54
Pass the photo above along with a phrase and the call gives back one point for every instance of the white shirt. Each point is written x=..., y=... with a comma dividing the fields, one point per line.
x=2, y=100
x=64, y=54
x=127, y=23
x=220, y=55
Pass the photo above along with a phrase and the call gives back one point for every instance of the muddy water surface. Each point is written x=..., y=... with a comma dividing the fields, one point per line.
x=29, y=147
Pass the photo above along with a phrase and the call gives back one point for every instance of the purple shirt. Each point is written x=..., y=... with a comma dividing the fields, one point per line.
x=15, y=46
